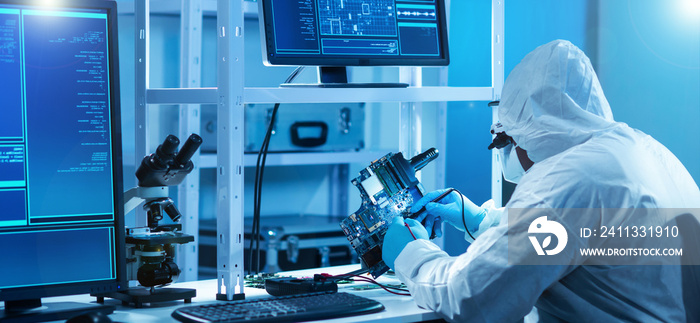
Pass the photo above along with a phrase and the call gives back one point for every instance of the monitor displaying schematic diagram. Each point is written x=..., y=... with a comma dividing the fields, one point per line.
x=354, y=32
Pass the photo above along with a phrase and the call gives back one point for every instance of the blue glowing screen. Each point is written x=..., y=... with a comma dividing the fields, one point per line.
x=336, y=29
x=57, y=212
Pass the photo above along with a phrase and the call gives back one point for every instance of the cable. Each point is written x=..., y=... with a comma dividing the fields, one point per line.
x=435, y=200
x=259, y=170
x=362, y=271
x=263, y=152
x=410, y=231
x=464, y=221
x=390, y=289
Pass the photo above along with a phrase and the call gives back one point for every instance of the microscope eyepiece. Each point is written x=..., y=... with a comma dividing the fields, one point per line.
x=166, y=151
x=167, y=166
x=188, y=149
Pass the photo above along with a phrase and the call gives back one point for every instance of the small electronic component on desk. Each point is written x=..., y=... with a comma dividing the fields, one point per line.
x=258, y=280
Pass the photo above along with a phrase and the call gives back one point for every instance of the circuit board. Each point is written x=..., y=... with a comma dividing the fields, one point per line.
x=388, y=187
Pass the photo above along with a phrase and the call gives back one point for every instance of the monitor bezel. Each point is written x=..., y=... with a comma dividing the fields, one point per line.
x=107, y=285
x=267, y=44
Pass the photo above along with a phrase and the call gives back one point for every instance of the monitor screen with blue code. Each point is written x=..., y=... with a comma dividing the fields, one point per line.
x=354, y=32
x=61, y=214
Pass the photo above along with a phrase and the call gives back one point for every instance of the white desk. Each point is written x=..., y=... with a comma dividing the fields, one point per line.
x=398, y=308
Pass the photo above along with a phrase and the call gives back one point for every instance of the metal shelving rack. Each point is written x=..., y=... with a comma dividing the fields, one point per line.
x=230, y=97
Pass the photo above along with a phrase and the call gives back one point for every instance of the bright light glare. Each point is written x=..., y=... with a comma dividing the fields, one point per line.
x=691, y=8
x=50, y=3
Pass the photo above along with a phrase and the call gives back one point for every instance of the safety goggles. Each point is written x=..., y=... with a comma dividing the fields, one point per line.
x=501, y=140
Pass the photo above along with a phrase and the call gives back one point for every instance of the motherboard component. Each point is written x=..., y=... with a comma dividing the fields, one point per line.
x=388, y=187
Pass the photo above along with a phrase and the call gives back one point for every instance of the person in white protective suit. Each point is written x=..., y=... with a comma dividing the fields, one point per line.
x=570, y=155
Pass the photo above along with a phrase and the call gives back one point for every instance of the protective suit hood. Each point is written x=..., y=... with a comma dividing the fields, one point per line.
x=553, y=101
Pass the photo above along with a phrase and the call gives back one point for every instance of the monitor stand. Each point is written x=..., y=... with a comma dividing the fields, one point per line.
x=34, y=311
x=337, y=77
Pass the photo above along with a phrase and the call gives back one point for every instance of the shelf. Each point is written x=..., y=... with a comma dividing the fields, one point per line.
x=335, y=95
x=325, y=95
x=301, y=158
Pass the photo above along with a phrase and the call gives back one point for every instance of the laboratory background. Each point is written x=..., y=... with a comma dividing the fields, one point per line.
x=646, y=54
x=92, y=178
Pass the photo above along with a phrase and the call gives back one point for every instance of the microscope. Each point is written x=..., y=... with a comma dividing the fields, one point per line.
x=151, y=250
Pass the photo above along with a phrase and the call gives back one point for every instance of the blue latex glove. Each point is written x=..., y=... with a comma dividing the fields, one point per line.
x=398, y=236
x=448, y=209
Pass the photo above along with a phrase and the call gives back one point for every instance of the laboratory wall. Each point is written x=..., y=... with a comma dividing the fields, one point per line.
x=649, y=66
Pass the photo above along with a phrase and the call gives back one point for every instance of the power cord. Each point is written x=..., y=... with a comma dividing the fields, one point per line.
x=464, y=221
x=435, y=200
x=355, y=276
x=257, y=189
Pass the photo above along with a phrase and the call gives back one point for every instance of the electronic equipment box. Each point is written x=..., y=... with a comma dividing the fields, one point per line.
x=299, y=127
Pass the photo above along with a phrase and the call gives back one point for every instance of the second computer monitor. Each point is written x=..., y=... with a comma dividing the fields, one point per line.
x=354, y=32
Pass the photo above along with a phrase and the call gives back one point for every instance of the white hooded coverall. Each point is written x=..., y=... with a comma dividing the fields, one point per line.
x=554, y=108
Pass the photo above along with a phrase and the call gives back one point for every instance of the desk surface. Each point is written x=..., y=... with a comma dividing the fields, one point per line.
x=398, y=308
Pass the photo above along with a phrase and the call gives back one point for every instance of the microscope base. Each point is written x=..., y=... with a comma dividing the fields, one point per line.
x=140, y=295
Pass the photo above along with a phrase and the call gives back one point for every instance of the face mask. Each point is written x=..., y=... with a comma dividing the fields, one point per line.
x=510, y=164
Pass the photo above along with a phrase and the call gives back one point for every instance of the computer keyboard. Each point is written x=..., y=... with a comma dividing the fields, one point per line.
x=293, y=308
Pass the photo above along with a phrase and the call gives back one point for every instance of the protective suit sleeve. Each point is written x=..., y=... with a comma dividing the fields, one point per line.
x=491, y=219
x=477, y=286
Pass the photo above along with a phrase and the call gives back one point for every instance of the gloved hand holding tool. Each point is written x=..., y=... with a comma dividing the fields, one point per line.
x=450, y=206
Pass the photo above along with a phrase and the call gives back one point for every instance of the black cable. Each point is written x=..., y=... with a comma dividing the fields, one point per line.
x=262, y=168
x=464, y=221
x=255, y=236
x=390, y=289
x=259, y=170
x=362, y=271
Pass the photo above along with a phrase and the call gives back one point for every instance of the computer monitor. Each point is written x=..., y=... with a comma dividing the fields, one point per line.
x=61, y=205
x=334, y=34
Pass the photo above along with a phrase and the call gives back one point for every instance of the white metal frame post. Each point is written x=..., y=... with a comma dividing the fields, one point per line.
x=338, y=178
x=410, y=115
x=141, y=16
x=441, y=119
x=497, y=77
x=230, y=163
x=441, y=129
x=190, y=77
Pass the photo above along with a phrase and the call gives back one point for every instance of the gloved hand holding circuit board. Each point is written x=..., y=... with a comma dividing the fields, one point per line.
x=388, y=187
